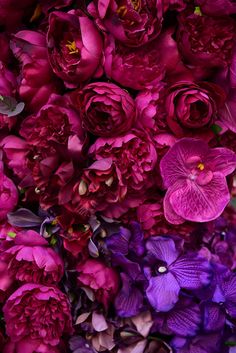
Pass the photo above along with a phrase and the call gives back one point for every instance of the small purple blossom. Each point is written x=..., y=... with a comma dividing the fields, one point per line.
x=168, y=271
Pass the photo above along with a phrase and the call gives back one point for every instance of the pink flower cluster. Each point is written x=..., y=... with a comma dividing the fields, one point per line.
x=112, y=112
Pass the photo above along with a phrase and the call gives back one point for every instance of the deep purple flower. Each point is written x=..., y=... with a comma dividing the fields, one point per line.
x=80, y=345
x=195, y=175
x=168, y=271
x=184, y=319
x=225, y=292
x=213, y=316
x=127, y=247
x=201, y=343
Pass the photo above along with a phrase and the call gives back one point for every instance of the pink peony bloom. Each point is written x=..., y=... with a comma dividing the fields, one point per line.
x=106, y=109
x=133, y=23
x=37, y=79
x=99, y=187
x=103, y=280
x=194, y=175
x=217, y=7
x=8, y=194
x=31, y=260
x=146, y=66
x=205, y=41
x=191, y=108
x=151, y=109
x=53, y=126
x=16, y=150
x=130, y=160
x=74, y=46
x=37, y=312
x=28, y=345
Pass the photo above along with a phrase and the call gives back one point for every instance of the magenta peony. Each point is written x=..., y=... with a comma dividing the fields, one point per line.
x=133, y=23
x=144, y=67
x=8, y=194
x=217, y=7
x=53, y=126
x=37, y=312
x=205, y=41
x=30, y=259
x=106, y=109
x=37, y=81
x=104, y=281
x=74, y=46
x=15, y=150
x=28, y=345
x=193, y=108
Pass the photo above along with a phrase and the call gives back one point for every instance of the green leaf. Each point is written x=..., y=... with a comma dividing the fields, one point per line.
x=216, y=129
x=230, y=343
x=10, y=107
x=53, y=241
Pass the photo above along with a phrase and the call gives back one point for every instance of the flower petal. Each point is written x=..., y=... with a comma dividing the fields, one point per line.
x=200, y=203
x=163, y=249
x=190, y=272
x=163, y=292
x=173, y=164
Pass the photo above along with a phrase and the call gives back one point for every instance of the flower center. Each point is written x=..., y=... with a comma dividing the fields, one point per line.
x=72, y=47
x=201, y=166
x=162, y=269
x=122, y=11
x=136, y=4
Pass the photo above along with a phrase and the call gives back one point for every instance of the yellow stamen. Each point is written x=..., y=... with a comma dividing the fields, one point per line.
x=72, y=47
x=122, y=11
x=136, y=4
x=201, y=166
x=37, y=13
x=54, y=222
x=70, y=230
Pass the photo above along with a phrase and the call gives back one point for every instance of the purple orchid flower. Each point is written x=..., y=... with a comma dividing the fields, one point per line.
x=80, y=345
x=184, y=319
x=213, y=316
x=195, y=176
x=127, y=248
x=225, y=292
x=168, y=271
x=199, y=344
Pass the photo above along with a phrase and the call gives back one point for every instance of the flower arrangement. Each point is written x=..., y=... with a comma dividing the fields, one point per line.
x=118, y=182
